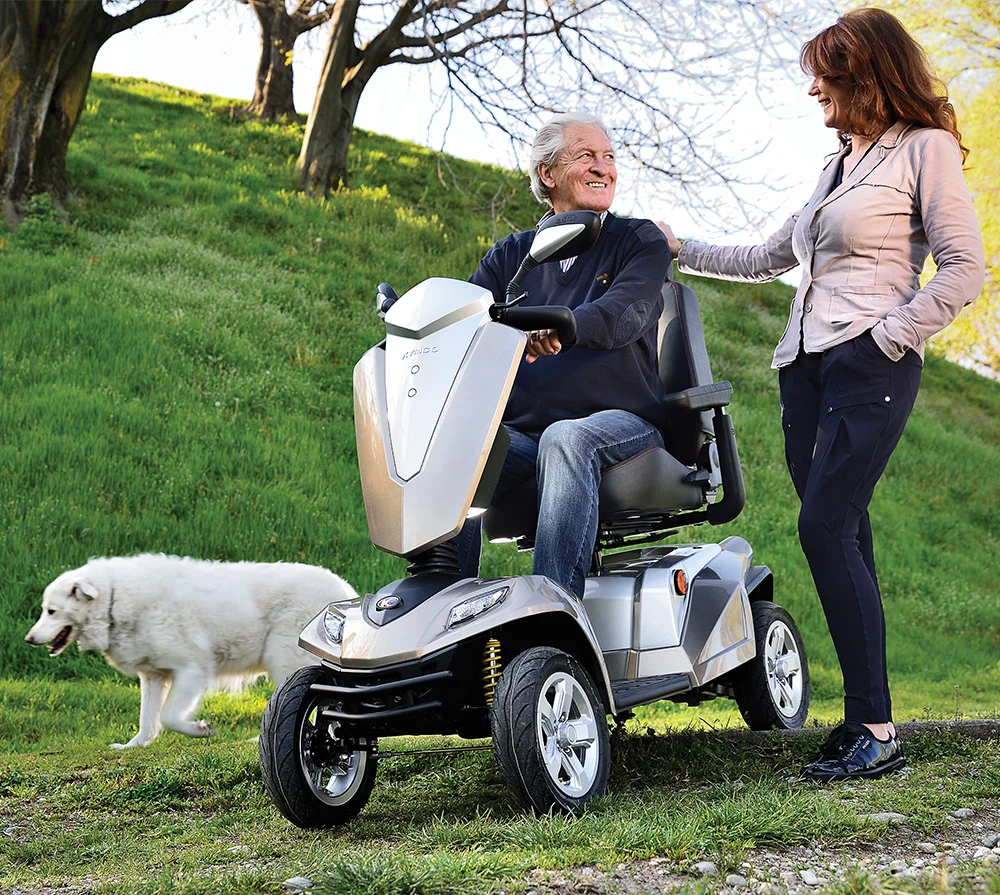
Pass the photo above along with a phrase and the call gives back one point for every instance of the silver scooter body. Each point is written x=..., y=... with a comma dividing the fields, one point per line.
x=428, y=404
x=519, y=659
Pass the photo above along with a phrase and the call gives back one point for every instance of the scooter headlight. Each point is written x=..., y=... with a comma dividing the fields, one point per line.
x=476, y=605
x=333, y=624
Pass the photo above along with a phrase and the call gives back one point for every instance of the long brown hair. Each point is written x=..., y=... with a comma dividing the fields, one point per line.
x=870, y=52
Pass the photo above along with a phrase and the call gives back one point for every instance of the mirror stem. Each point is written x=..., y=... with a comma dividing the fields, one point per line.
x=514, y=286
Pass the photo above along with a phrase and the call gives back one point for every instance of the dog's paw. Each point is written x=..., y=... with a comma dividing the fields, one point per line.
x=131, y=744
x=202, y=729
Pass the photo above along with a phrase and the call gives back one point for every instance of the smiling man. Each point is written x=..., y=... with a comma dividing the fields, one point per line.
x=577, y=409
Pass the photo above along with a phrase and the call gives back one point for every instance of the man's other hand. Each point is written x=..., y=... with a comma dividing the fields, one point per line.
x=541, y=342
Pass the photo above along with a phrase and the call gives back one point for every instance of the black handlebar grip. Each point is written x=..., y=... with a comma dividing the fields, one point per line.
x=545, y=317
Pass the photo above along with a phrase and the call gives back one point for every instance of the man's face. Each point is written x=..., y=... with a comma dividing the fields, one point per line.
x=584, y=177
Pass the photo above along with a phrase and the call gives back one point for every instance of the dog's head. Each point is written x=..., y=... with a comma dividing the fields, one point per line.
x=66, y=604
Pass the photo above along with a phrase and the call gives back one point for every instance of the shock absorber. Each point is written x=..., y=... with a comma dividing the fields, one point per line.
x=492, y=668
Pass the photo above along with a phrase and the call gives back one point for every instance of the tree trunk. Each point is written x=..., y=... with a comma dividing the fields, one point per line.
x=323, y=160
x=278, y=99
x=265, y=15
x=47, y=53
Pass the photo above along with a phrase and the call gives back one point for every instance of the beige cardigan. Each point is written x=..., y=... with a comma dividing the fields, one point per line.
x=863, y=245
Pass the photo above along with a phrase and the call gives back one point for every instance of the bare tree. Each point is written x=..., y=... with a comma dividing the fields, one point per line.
x=47, y=52
x=280, y=27
x=665, y=75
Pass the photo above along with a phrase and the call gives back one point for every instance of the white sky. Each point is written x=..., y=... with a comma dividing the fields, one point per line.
x=218, y=54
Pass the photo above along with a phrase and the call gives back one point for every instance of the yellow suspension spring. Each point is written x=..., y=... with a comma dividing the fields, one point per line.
x=492, y=668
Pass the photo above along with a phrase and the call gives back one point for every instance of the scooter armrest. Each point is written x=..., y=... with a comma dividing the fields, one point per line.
x=700, y=397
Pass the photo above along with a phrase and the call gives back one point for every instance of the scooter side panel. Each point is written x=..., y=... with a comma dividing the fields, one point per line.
x=720, y=637
x=703, y=633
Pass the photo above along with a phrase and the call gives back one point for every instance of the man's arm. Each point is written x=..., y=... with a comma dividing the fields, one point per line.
x=634, y=301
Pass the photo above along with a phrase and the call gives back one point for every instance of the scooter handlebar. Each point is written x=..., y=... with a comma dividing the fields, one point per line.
x=545, y=317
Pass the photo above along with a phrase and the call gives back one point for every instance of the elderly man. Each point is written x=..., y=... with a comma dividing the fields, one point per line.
x=577, y=409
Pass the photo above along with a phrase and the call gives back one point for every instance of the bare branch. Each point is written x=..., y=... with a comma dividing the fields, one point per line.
x=148, y=9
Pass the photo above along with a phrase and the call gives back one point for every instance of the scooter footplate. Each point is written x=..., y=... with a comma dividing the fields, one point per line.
x=648, y=689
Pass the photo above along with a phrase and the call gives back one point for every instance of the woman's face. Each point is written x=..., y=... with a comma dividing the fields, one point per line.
x=835, y=100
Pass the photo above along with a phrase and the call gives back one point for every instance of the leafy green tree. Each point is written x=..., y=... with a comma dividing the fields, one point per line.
x=47, y=52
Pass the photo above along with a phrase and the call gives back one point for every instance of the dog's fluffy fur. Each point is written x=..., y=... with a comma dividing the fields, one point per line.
x=183, y=625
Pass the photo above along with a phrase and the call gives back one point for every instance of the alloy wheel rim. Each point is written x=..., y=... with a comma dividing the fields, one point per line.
x=783, y=666
x=333, y=774
x=567, y=734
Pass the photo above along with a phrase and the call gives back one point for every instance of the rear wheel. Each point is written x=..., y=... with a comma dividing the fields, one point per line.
x=772, y=689
x=314, y=777
x=550, y=733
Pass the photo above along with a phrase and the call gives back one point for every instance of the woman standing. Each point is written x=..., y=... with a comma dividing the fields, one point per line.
x=850, y=359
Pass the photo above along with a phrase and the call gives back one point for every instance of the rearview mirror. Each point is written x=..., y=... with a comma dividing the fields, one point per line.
x=565, y=235
x=558, y=237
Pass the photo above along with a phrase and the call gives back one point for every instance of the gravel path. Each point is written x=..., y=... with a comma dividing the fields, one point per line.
x=966, y=847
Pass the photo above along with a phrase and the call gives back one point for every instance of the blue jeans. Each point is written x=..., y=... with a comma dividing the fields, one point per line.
x=567, y=459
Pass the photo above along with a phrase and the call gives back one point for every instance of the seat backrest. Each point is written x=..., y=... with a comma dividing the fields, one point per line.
x=684, y=363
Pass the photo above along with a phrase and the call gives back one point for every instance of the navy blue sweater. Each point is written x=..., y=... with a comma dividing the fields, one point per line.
x=614, y=291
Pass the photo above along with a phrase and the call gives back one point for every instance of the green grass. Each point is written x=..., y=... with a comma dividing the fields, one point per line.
x=177, y=377
x=176, y=363
x=191, y=817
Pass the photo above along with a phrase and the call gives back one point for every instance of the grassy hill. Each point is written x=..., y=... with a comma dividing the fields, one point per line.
x=176, y=367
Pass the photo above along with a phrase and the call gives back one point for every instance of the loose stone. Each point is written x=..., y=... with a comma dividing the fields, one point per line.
x=810, y=878
x=888, y=817
x=962, y=812
x=734, y=879
x=298, y=882
x=706, y=868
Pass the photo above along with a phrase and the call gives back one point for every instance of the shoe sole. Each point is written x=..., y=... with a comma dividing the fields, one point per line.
x=880, y=771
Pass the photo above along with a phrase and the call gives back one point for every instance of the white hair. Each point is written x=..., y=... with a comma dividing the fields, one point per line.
x=549, y=143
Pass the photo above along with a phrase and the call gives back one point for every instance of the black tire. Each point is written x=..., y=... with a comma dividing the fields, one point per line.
x=774, y=695
x=549, y=767
x=298, y=752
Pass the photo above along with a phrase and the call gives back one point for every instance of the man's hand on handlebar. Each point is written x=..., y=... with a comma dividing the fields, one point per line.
x=540, y=343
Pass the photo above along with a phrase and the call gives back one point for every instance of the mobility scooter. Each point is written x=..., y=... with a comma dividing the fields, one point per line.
x=521, y=659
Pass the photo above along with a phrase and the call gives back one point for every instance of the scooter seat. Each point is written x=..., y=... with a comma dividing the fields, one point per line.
x=650, y=482
x=657, y=488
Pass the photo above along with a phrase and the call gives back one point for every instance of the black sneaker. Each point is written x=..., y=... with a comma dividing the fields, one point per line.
x=852, y=752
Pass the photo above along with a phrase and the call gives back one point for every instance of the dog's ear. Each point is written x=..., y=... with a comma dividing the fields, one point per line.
x=83, y=590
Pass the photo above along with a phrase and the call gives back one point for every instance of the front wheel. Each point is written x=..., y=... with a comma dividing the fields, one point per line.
x=772, y=689
x=315, y=778
x=550, y=734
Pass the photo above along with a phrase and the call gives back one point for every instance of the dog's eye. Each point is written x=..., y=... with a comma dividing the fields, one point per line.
x=51, y=611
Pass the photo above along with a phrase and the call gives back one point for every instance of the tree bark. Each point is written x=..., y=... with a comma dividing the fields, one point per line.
x=47, y=53
x=346, y=72
x=265, y=16
x=279, y=29
x=278, y=99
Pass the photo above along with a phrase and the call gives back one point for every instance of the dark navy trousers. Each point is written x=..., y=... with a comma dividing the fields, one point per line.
x=843, y=412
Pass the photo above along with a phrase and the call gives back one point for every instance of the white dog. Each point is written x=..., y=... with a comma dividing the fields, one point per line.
x=180, y=624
